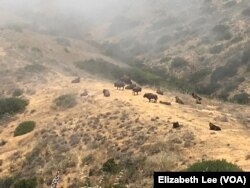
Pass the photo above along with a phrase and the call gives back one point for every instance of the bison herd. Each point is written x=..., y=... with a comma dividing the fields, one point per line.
x=126, y=83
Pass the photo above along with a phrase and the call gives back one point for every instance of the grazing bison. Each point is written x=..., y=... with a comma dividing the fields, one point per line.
x=176, y=125
x=198, y=101
x=214, y=127
x=178, y=100
x=77, y=80
x=151, y=96
x=166, y=103
x=106, y=93
x=130, y=87
x=119, y=85
x=125, y=79
x=136, y=90
x=159, y=91
x=195, y=96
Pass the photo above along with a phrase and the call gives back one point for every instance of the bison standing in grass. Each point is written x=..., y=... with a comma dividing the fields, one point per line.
x=106, y=93
x=151, y=96
x=136, y=90
x=119, y=85
x=159, y=91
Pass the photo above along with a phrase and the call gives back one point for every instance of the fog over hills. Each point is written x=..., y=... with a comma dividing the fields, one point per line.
x=58, y=57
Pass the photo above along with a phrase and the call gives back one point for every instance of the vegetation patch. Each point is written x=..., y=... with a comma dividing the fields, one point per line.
x=214, y=166
x=17, y=92
x=243, y=98
x=24, y=128
x=110, y=166
x=222, y=32
x=12, y=106
x=179, y=62
x=65, y=101
x=26, y=183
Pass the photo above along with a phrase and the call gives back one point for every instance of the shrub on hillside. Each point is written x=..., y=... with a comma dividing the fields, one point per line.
x=12, y=106
x=214, y=166
x=26, y=183
x=242, y=98
x=110, y=166
x=65, y=101
x=17, y=92
x=179, y=62
x=6, y=182
x=222, y=32
x=24, y=128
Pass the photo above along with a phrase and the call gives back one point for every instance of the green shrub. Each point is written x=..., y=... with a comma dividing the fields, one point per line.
x=214, y=166
x=242, y=98
x=17, y=92
x=179, y=62
x=24, y=128
x=228, y=70
x=6, y=182
x=110, y=166
x=26, y=183
x=12, y=106
x=222, y=32
x=65, y=101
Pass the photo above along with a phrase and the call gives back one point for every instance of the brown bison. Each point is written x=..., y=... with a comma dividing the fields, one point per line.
x=213, y=127
x=176, y=125
x=136, y=90
x=178, y=100
x=198, y=101
x=165, y=103
x=77, y=80
x=150, y=96
x=159, y=91
x=119, y=85
x=130, y=87
x=106, y=93
x=197, y=97
x=125, y=79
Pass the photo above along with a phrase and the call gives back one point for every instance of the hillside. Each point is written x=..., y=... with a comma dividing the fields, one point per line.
x=49, y=124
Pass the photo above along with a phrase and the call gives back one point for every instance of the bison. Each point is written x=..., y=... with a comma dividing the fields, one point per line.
x=195, y=96
x=165, y=103
x=151, y=96
x=178, y=100
x=213, y=127
x=159, y=91
x=136, y=90
x=106, y=93
x=130, y=87
x=119, y=85
x=176, y=125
